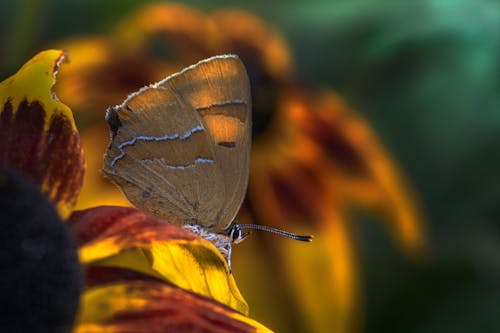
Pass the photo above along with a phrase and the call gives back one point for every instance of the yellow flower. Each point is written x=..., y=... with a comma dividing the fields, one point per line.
x=141, y=273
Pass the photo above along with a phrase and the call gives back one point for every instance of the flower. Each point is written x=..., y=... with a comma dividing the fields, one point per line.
x=41, y=171
x=139, y=272
x=40, y=281
x=313, y=158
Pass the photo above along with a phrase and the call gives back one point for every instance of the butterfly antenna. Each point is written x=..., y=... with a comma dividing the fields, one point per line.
x=301, y=238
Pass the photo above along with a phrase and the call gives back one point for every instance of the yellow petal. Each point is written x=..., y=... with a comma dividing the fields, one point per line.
x=38, y=136
x=128, y=238
x=154, y=306
x=34, y=82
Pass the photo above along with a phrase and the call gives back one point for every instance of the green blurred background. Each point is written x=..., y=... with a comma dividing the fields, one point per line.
x=426, y=75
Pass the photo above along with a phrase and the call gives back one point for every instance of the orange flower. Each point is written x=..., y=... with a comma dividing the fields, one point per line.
x=313, y=158
x=141, y=273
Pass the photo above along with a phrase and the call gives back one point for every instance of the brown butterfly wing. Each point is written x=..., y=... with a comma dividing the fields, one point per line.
x=180, y=148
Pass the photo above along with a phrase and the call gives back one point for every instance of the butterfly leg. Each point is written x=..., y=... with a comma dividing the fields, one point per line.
x=229, y=248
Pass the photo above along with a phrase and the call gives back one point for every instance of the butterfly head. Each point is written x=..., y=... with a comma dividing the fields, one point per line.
x=236, y=234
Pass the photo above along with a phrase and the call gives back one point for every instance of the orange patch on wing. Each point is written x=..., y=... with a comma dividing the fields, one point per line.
x=223, y=128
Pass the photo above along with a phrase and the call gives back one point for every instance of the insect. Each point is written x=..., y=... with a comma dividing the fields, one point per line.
x=180, y=149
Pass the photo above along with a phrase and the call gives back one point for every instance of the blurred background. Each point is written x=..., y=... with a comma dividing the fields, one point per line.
x=376, y=128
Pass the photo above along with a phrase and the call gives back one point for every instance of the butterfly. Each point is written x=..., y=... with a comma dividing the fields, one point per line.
x=180, y=149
